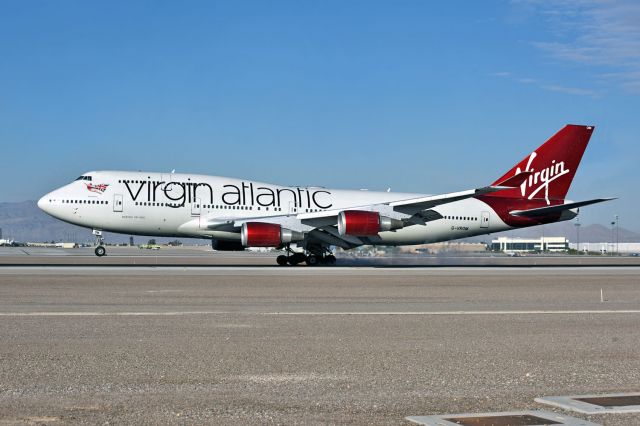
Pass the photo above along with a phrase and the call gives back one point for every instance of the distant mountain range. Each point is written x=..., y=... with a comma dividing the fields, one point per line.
x=24, y=222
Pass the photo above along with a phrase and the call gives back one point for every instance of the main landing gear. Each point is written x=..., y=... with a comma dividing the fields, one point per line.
x=100, y=250
x=314, y=258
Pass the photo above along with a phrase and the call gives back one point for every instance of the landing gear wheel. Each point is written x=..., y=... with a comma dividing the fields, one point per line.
x=312, y=260
x=100, y=250
x=330, y=260
x=296, y=258
x=282, y=260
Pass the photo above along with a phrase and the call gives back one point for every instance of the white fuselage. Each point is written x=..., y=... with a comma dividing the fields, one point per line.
x=185, y=205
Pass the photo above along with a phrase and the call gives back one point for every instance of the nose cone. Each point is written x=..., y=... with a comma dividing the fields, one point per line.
x=44, y=204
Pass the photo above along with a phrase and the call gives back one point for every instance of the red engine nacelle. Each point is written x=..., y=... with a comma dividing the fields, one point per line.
x=260, y=234
x=359, y=223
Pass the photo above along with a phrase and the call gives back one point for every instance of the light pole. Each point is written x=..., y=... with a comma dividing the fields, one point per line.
x=612, y=236
x=577, y=224
x=617, y=220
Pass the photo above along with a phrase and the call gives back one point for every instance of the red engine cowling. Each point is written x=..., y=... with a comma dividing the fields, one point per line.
x=359, y=223
x=260, y=234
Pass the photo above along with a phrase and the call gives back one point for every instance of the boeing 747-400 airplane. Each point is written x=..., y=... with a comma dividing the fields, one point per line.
x=238, y=213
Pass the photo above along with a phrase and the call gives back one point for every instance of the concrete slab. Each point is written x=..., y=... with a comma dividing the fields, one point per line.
x=510, y=418
x=626, y=402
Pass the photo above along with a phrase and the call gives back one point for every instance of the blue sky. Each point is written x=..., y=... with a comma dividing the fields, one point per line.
x=413, y=95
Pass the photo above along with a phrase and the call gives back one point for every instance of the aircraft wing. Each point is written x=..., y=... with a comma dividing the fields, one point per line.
x=419, y=208
x=415, y=205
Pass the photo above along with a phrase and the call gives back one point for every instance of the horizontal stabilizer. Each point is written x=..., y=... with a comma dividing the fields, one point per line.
x=543, y=211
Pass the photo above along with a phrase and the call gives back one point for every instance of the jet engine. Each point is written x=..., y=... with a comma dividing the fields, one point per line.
x=359, y=223
x=260, y=234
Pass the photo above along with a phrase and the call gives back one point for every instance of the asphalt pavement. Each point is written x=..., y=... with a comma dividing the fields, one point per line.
x=249, y=344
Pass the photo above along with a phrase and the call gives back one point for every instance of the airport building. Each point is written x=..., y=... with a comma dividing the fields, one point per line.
x=552, y=244
x=608, y=247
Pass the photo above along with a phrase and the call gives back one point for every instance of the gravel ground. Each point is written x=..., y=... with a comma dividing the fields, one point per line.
x=255, y=354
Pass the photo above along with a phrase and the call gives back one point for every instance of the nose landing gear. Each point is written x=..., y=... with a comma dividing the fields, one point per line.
x=99, y=250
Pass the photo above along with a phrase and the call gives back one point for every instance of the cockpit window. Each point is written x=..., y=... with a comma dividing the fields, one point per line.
x=84, y=178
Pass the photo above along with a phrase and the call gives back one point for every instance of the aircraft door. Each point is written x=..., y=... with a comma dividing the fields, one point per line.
x=196, y=207
x=117, y=202
x=484, y=220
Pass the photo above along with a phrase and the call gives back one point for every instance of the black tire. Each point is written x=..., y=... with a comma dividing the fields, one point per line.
x=100, y=251
x=312, y=260
x=331, y=260
x=282, y=260
x=296, y=258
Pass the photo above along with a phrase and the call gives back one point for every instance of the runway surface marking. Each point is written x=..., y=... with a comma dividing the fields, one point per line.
x=302, y=271
x=399, y=313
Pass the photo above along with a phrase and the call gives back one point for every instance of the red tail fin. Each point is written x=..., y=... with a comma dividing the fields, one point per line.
x=553, y=166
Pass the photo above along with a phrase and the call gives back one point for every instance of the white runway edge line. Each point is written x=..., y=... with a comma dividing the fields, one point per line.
x=436, y=313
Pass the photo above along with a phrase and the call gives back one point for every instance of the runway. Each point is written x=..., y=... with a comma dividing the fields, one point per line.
x=204, y=256
x=368, y=345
